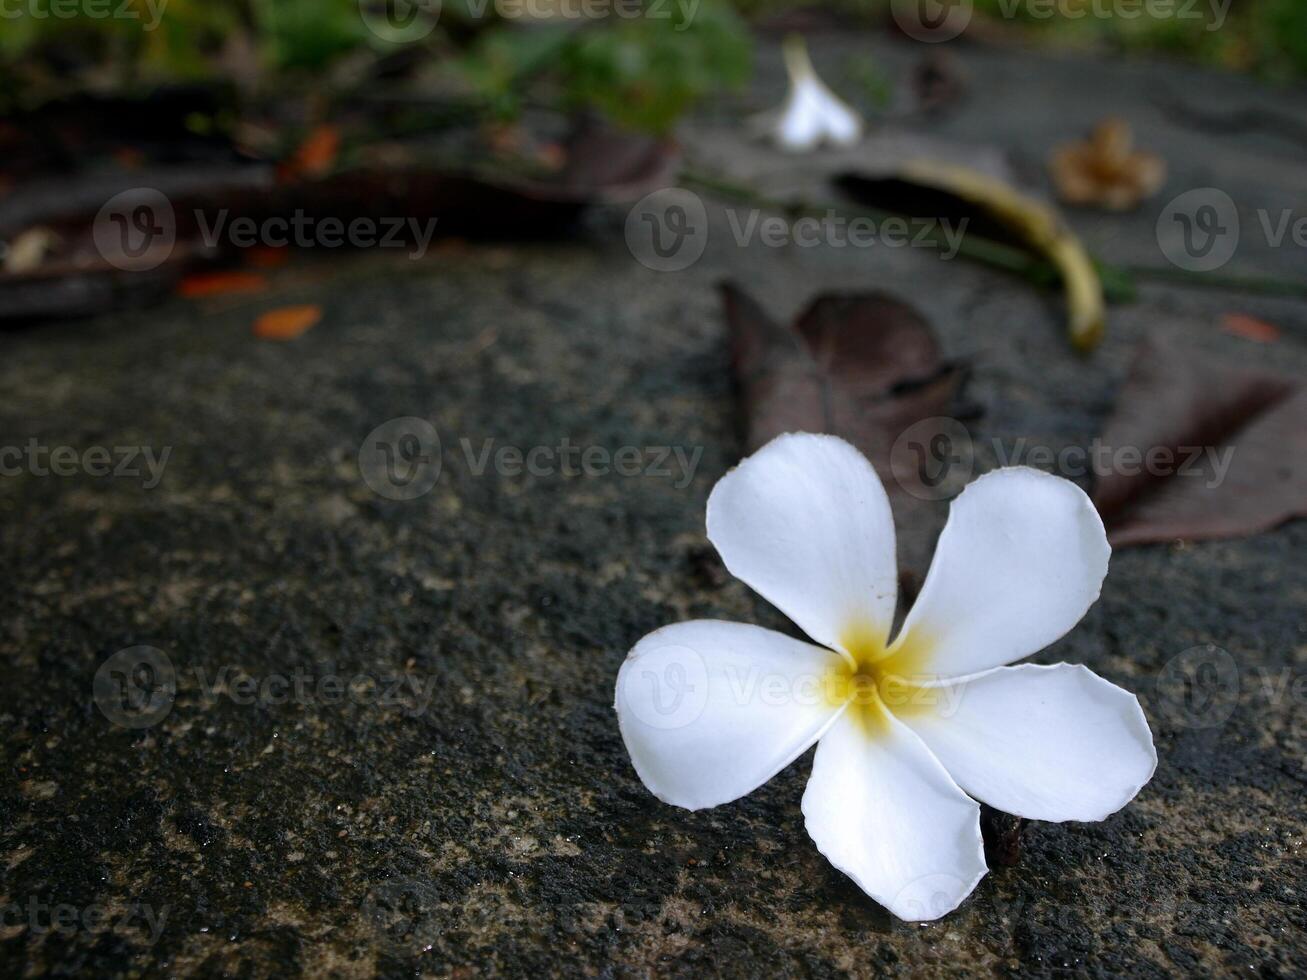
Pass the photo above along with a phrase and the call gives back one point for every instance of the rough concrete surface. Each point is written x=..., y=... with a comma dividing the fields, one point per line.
x=483, y=818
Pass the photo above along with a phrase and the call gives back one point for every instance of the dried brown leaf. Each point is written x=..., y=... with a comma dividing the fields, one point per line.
x=1229, y=449
x=862, y=366
x=1105, y=170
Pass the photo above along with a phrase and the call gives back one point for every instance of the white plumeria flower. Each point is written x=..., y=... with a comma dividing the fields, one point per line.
x=812, y=114
x=911, y=732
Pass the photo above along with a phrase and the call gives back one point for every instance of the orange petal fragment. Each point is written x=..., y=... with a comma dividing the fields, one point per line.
x=1250, y=328
x=287, y=323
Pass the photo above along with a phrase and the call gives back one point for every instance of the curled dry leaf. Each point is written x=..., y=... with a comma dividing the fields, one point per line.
x=1213, y=450
x=992, y=208
x=1105, y=170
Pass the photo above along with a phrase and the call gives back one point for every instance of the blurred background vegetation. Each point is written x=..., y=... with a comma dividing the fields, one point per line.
x=642, y=72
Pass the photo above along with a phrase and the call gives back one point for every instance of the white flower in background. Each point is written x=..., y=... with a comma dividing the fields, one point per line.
x=812, y=114
x=911, y=732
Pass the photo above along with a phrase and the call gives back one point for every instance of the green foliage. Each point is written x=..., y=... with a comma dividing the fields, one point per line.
x=500, y=63
x=643, y=71
x=307, y=34
x=646, y=72
x=866, y=73
x=1267, y=37
x=1281, y=36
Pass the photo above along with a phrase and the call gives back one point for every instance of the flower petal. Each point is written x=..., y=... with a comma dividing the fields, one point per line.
x=1050, y=743
x=806, y=523
x=1021, y=558
x=884, y=811
x=800, y=126
x=812, y=112
x=841, y=124
x=711, y=710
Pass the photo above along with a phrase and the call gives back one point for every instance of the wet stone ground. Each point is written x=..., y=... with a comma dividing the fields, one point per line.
x=466, y=806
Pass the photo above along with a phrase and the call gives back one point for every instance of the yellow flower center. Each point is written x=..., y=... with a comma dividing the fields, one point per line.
x=884, y=678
